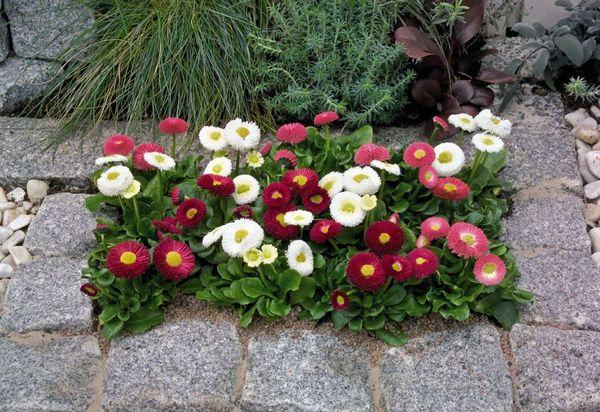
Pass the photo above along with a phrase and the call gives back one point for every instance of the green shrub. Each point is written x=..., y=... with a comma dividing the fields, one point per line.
x=320, y=55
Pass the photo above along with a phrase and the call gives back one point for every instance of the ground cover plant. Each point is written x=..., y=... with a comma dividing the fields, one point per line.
x=323, y=227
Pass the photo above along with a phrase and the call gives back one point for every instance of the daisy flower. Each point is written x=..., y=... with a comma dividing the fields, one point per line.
x=128, y=259
x=219, y=166
x=369, y=152
x=422, y=241
x=419, y=154
x=247, y=189
x=324, y=230
x=450, y=188
x=435, y=227
x=286, y=158
x=242, y=136
x=242, y=235
x=132, y=190
x=115, y=158
x=388, y=167
x=89, y=289
x=487, y=142
x=489, y=270
x=190, y=212
x=340, y=300
x=333, y=182
x=277, y=194
x=118, y=144
x=266, y=149
x=449, y=159
x=300, y=257
x=114, y=180
x=218, y=185
x=253, y=257
x=398, y=267
x=394, y=218
x=269, y=253
x=316, y=201
x=301, y=181
x=173, y=125
x=167, y=225
x=298, y=218
x=345, y=208
x=423, y=261
x=463, y=121
x=292, y=133
x=177, y=196
x=366, y=272
x=213, y=138
x=254, y=159
x=362, y=180
x=428, y=176
x=384, y=237
x=213, y=236
x=159, y=160
x=324, y=118
x=275, y=225
x=368, y=202
x=174, y=259
x=493, y=124
x=466, y=240
x=243, y=211
x=138, y=155
x=440, y=122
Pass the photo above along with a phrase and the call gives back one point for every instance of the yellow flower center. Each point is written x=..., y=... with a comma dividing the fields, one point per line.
x=173, y=259
x=360, y=177
x=240, y=235
x=420, y=260
x=495, y=120
x=465, y=120
x=450, y=187
x=367, y=270
x=242, y=188
x=243, y=132
x=159, y=158
x=281, y=220
x=340, y=300
x=216, y=183
x=348, y=207
x=428, y=175
x=328, y=185
x=217, y=169
x=445, y=157
x=488, y=141
x=384, y=238
x=419, y=154
x=128, y=258
x=397, y=266
x=436, y=226
x=489, y=270
x=215, y=135
x=300, y=180
x=316, y=199
x=325, y=229
x=252, y=255
x=468, y=238
x=191, y=213
x=299, y=218
x=301, y=258
x=253, y=158
x=276, y=195
x=113, y=175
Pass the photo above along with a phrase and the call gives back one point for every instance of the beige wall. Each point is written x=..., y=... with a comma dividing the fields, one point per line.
x=543, y=11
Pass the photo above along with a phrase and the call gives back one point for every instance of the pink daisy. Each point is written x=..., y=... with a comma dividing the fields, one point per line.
x=173, y=125
x=118, y=144
x=419, y=154
x=292, y=133
x=287, y=158
x=141, y=150
x=325, y=118
x=428, y=176
x=489, y=270
x=435, y=227
x=467, y=240
x=369, y=152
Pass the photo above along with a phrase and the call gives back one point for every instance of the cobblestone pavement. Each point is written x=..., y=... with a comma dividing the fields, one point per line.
x=51, y=357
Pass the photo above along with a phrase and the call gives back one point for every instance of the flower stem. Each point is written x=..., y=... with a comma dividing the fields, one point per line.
x=382, y=187
x=433, y=134
x=160, y=182
x=136, y=209
x=237, y=162
x=460, y=137
x=173, y=146
x=477, y=163
x=335, y=246
x=327, y=139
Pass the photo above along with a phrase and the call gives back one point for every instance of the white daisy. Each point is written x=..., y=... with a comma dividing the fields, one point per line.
x=463, y=121
x=213, y=236
x=487, y=142
x=333, y=182
x=213, y=138
x=132, y=190
x=242, y=235
x=114, y=180
x=116, y=158
x=449, y=159
x=493, y=124
x=346, y=209
x=242, y=136
x=246, y=189
x=298, y=218
x=219, y=166
x=253, y=257
x=159, y=160
x=300, y=257
x=388, y=167
x=368, y=202
x=362, y=180
x=269, y=254
x=255, y=159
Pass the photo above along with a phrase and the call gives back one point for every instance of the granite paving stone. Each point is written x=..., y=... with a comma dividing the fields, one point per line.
x=54, y=375
x=44, y=295
x=556, y=370
x=304, y=371
x=181, y=365
x=566, y=285
x=454, y=370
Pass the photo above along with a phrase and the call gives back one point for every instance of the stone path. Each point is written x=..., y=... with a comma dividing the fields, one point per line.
x=51, y=357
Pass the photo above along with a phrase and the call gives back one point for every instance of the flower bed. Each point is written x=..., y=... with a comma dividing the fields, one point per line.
x=339, y=227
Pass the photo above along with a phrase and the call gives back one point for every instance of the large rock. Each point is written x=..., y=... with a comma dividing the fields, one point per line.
x=460, y=369
x=180, y=365
x=556, y=370
x=44, y=28
x=21, y=80
x=306, y=372
x=4, y=44
x=54, y=375
x=44, y=295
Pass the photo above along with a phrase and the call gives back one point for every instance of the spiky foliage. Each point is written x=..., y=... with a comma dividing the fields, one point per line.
x=579, y=89
x=332, y=55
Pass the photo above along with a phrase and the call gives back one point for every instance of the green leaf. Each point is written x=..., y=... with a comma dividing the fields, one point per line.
x=374, y=323
x=505, y=312
x=304, y=292
x=525, y=30
x=253, y=287
x=460, y=312
x=341, y=318
x=278, y=308
x=355, y=324
x=392, y=339
x=144, y=227
x=540, y=63
x=289, y=280
x=93, y=203
x=495, y=161
x=571, y=47
x=394, y=295
x=246, y=318
x=112, y=328
x=144, y=319
x=108, y=313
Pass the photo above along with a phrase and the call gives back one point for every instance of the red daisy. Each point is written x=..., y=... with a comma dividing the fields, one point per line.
x=316, y=201
x=118, y=144
x=167, y=225
x=292, y=133
x=424, y=262
x=128, y=259
x=138, y=155
x=173, y=125
x=191, y=212
x=89, y=289
x=326, y=118
x=301, y=181
x=276, y=226
x=243, y=212
x=287, y=158
x=467, y=240
x=489, y=270
x=266, y=149
x=384, y=237
x=366, y=272
x=441, y=123
x=277, y=194
x=217, y=185
x=435, y=227
x=394, y=218
x=369, y=152
x=174, y=259
x=398, y=267
x=340, y=300
x=422, y=241
x=428, y=176
x=451, y=188
x=419, y=154
x=177, y=196
x=323, y=230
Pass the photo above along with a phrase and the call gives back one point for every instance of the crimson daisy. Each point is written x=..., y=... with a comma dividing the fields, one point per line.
x=167, y=225
x=467, y=240
x=191, y=212
x=292, y=133
x=277, y=194
x=369, y=152
x=419, y=154
x=340, y=300
x=118, y=144
x=217, y=185
x=489, y=270
x=324, y=230
x=435, y=227
x=398, y=267
x=243, y=212
x=177, y=196
x=174, y=259
x=423, y=261
x=141, y=150
x=450, y=188
x=89, y=289
x=128, y=259
x=275, y=225
x=317, y=201
x=384, y=237
x=394, y=218
x=301, y=181
x=173, y=125
x=324, y=118
x=286, y=158
x=366, y=272
x=428, y=176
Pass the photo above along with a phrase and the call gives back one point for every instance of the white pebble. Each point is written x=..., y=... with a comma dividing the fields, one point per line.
x=5, y=233
x=20, y=255
x=5, y=270
x=595, y=238
x=8, y=261
x=16, y=239
x=7, y=206
x=17, y=194
x=20, y=222
x=37, y=190
x=8, y=216
x=3, y=196
x=592, y=190
x=596, y=258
